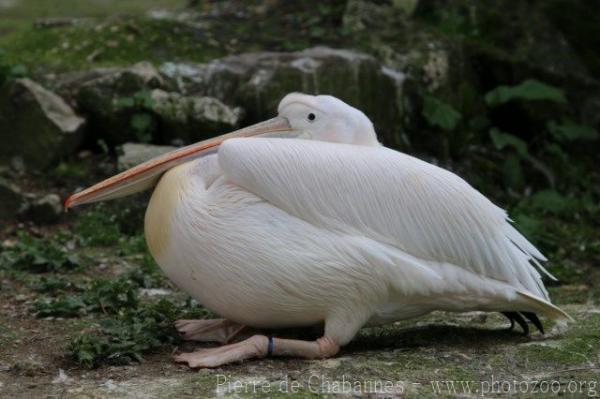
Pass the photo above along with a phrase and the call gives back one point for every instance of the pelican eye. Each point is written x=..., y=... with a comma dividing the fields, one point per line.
x=312, y=117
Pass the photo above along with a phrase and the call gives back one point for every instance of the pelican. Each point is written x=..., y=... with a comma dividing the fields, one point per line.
x=306, y=219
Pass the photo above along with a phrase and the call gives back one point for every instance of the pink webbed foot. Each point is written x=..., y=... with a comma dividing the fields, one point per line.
x=215, y=330
x=258, y=346
x=255, y=346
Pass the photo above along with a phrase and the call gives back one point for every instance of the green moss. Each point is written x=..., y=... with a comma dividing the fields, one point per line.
x=575, y=294
x=578, y=346
x=119, y=42
x=22, y=14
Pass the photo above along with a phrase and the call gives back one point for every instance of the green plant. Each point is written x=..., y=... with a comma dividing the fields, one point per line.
x=146, y=275
x=52, y=285
x=98, y=296
x=567, y=130
x=125, y=337
x=142, y=121
x=111, y=296
x=10, y=71
x=143, y=124
x=440, y=114
x=38, y=255
x=551, y=141
x=63, y=306
x=512, y=165
x=98, y=227
x=502, y=140
x=529, y=90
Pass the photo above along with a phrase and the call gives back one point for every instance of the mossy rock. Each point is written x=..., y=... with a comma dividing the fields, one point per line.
x=258, y=81
x=114, y=98
x=188, y=119
x=11, y=200
x=36, y=125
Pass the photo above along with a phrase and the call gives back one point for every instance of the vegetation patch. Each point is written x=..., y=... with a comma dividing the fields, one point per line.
x=123, y=41
x=124, y=337
x=38, y=255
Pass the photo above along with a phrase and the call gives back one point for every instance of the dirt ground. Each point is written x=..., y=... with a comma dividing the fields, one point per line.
x=441, y=355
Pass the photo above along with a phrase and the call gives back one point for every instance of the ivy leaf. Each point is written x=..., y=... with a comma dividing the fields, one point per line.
x=502, y=139
x=124, y=102
x=143, y=125
x=530, y=90
x=552, y=201
x=512, y=171
x=144, y=99
x=141, y=122
x=439, y=113
x=571, y=131
x=18, y=71
x=529, y=226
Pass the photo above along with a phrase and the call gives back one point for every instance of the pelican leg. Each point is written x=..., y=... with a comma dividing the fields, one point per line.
x=214, y=330
x=257, y=346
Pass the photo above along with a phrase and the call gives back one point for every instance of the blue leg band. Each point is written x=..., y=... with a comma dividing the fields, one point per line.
x=270, y=347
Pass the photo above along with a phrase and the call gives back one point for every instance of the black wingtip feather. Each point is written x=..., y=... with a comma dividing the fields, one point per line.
x=516, y=316
x=510, y=317
x=534, y=320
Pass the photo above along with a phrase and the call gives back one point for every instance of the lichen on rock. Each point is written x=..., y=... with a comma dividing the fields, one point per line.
x=36, y=124
x=192, y=118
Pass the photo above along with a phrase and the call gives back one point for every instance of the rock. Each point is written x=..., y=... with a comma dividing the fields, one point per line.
x=571, y=17
x=535, y=42
x=45, y=210
x=114, y=98
x=359, y=15
x=136, y=153
x=192, y=118
x=36, y=125
x=516, y=51
x=258, y=81
x=11, y=200
x=407, y=6
x=155, y=292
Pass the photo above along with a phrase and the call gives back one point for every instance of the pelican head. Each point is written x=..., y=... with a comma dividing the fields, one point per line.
x=326, y=118
x=300, y=116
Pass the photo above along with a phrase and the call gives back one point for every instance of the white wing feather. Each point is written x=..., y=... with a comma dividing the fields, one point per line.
x=375, y=192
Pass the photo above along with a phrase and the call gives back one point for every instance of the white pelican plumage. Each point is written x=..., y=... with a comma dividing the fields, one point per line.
x=307, y=219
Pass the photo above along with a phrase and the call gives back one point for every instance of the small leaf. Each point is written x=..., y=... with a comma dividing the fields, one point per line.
x=439, y=113
x=502, y=139
x=527, y=225
x=143, y=124
x=530, y=90
x=557, y=152
x=18, y=71
x=552, y=201
x=144, y=99
x=124, y=102
x=571, y=131
x=512, y=171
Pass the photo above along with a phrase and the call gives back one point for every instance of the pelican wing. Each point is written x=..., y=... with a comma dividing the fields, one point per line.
x=387, y=196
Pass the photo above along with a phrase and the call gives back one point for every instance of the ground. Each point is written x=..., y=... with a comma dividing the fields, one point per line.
x=440, y=355
x=85, y=313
